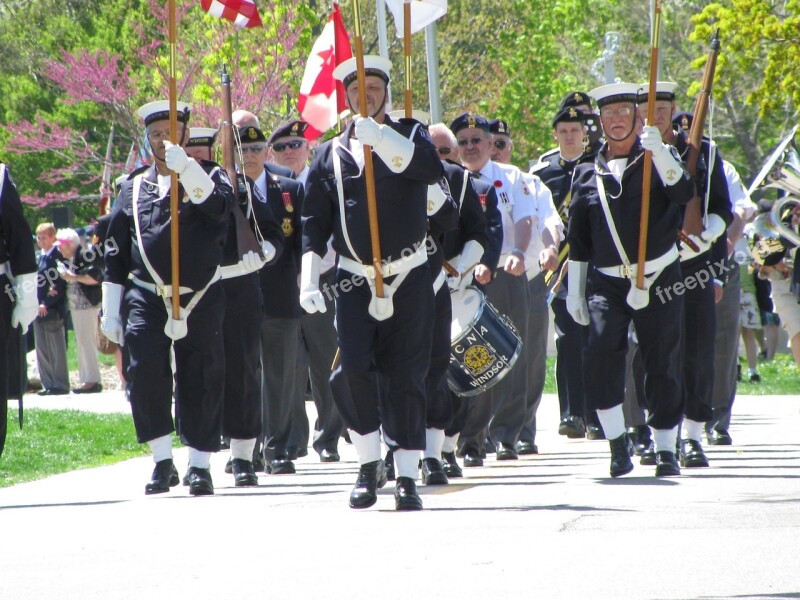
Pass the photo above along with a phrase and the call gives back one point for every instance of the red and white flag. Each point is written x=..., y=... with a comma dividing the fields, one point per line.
x=322, y=97
x=423, y=13
x=243, y=13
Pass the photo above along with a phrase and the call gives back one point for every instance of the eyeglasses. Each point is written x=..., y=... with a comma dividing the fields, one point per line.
x=608, y=113
x=444, y=150
x=467, y=141
x=294, y=145
x=254, y=148
x=501, y=144
x=158, y=135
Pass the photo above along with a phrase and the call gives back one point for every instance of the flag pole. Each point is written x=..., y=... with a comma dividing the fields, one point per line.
x=173, y=138
x=648, y=156
x=407, y=55
x=369, y=172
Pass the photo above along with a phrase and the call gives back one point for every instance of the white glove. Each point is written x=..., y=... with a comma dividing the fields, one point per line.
x=311, y=298
x=195, y=180
x=576, y=296
x=252, y=261
x=668, y=167
x=465, y=264
x=176, y=158
x=686, y=251
x=268, y=250
x=714, y=228
x=27, y=304
x=110, y=322
x=394, y=148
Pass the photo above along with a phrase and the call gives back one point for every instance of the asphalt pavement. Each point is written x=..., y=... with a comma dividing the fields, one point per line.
x=549, y=526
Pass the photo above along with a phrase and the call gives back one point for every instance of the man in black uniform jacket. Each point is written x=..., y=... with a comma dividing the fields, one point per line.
x=555, y=169
x=390, y=337
x=140, y=230
x=18, y=301
x=699, y=328
x=604, y=238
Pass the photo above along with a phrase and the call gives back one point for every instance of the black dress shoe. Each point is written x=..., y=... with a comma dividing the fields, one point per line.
x=432, y=472
x=164, y=476
x=719, y=437
x=327, y=456
x=666, y=464
x=53, y=392
x=258, y=464
x=200, y=483
x=621, y=452
x=244, y=475
x=648, y=456
x=89, y=388
x=388, y=463
x=527, y=448
x=405, y=495
x=450, y=465
x=595, y=432
x=371, y=476
x=472, y=458
x=572, y=427
x=641, y=440
x=506, y=452
x=280, y=466
x=692, y=455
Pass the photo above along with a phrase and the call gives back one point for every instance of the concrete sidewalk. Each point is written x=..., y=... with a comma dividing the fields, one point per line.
x=550, y=526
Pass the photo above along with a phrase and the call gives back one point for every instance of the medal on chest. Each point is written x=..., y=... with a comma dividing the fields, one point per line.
x=287, y=202
x=287, y=226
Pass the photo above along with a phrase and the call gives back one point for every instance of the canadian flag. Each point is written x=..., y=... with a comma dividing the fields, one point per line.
x=423, y=13
x=243, y=13
x=322, y=97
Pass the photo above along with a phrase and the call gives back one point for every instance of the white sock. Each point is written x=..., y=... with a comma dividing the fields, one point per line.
x=692, y=430
x=434, y=440
x=450, y=443
x=161, y=448
x=368, y=447
x=612, y=420
x=664, y=439
x=199, y=459
x=752, y=372
x=243, y=449
x=406, y=463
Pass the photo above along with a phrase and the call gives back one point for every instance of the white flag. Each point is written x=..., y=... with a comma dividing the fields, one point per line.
x=423, y=13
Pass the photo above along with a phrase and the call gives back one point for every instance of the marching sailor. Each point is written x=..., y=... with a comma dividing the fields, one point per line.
x=603, y=238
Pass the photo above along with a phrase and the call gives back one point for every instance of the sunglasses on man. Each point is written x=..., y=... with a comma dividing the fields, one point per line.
x=254, y=148
x=294, y=145
x=500, y=144
x=467, y=141
x=444, y=150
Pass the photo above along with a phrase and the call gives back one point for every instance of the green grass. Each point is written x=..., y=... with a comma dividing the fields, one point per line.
x=72, y=354
x=57, y=441
x=780, y=376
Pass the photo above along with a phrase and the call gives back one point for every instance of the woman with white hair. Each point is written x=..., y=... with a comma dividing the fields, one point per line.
x=83, y=276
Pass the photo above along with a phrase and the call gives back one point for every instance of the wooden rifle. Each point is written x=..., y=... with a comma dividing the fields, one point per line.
x=693, y=216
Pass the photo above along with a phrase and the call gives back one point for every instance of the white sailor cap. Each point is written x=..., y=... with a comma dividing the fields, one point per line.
x=615, y=92
x=665, y=90
x=159, y=111
x=417, y=115
x=373, y=65
x=201, y=136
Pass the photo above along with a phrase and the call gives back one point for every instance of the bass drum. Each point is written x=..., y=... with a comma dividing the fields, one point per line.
x=484, y=344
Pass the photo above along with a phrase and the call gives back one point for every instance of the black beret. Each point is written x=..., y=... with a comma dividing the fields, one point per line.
x=295, y=128
x=469, y=121
x=251, y=134
x=576, y=99
x=683, y=120
x=568, y=114
x=499, y=126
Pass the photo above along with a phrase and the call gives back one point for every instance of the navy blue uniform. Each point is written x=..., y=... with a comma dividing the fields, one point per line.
x=280, y=327
x=396, y=349
x=199, y=356
x=700, y=327
x=17, y=256
x=658, y=325
x=241, y=327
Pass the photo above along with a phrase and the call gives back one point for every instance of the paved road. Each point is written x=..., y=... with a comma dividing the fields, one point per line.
x=551, y=526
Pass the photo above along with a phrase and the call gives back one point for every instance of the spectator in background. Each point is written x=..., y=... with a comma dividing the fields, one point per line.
x=81, y=270
x=48, y=328
x=749, y=321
